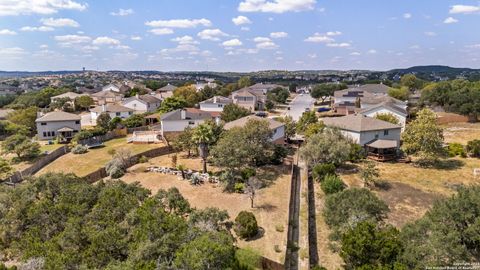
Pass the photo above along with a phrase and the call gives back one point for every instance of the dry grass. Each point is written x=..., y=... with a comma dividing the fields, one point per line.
x=271, y=202
x=461, y=132
x=94, y=159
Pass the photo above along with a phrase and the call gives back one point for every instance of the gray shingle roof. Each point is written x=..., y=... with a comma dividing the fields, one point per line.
x=358, y=123
x=111, y=108
x=242, y=121
x=218, y=99
x=167, y=88
x=58, y=116
x=389, y=105
x=190, y=114
x=375, y=88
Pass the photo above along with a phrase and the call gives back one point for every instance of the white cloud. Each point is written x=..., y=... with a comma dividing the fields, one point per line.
x=37, y=29
x=372, y=51
x=184, y=40
x=474, y=46
x=43, y=46
x=334, y=33
x=179, y=49
x=69, y=40
x=450, y=20
x=279, y=35
x=7, y=32
x=414, y=47
x=211, y=34
x=122, y=12
x=355, y=54
x=89, y=48
x=276, y=6
x=430, y=34
x=161, y=31
x=60, y=22
x=26, y=7
x=313, y=55
x=136, y=38
x=339, y=45
x=106, y=41
x=241, y=20
x=319, y=38
x=261, y=39
x=267, y=45
x=232, y=43
x=407, y=15
x=181, y=23
x=13, y=52
x=244, y=28
x=463, y=9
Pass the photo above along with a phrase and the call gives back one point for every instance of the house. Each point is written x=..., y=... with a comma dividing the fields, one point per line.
x=386, y=107
x=71, y=96
x=167, y=88
x=58, y=124
x=106, y=97
x=380, y=138
x=122, y=89
x=176, y=121
x=114, y=110
x=201, y=85
x=352, y=100
x=142, y=103
x=376, y=89
x=253, y=97
x=214, y=104
x=277, y=128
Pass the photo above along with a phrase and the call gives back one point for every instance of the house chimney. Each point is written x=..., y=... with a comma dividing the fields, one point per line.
x=183, y=114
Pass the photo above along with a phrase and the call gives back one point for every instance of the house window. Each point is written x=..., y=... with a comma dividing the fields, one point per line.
x=117, y=114
x=43, y=124
x=77, y=122
x=130, y=113
x=376, y=136
x=191, y=122
x=44, y=134
x=53, y=133
x=385, y=133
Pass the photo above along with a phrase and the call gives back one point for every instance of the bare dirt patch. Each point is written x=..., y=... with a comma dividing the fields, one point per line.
x=271, y=203
x=461, y=132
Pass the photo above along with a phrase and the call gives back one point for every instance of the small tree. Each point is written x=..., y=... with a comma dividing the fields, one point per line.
x=103, y=121
x=329, y=146
x=22, y=146
x=246, y=225
x=423, y=137
x=319, y=171
x=306, y=119
x=83, y=102
x=399, y=93
x=252, y=186
x=473, y=148
x=332, y=184
x=290, y=126
x=369, y=174
x=203, y=136
x=233, y=112
x=5, y=169
x=387, y=117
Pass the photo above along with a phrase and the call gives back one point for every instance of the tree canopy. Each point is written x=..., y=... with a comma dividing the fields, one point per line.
x=233, y=112
x=327, y=146
x=326, y=89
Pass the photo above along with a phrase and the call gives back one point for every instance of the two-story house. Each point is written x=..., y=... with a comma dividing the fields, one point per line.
x=114, y=110
x=58, y=124
x=215, y=104
x=175, y=122
x=277, y=128
x=142, y=104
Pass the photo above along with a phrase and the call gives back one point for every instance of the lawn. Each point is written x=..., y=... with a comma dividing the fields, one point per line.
x=271, y=203
x=461, y=132
x=94, y=159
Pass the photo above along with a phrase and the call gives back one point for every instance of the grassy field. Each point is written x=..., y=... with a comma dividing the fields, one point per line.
x=94, y=159
x=271, y=203
x=461, y=132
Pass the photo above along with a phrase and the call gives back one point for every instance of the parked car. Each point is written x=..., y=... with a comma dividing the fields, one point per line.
x=261, y=114
x=307, y=109
x=323, y=109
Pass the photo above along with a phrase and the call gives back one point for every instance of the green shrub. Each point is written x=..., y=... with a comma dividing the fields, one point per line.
x=143, y=159
x=115, y=168
x=332, y=184
x=279, y=153
x=279, y=228
x=247, y=173
x=246, y=225
x=239, y=187
x=456, y=149
x=79, y=149
x=357, y=153
x=473, y=148
x=277, y=248
x=248, y=257
x=321, y=170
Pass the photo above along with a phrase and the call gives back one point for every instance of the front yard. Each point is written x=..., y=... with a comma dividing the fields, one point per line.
x=271, y=203
x=94, y=159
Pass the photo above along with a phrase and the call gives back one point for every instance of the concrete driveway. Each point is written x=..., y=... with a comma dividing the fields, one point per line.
x=298, y=106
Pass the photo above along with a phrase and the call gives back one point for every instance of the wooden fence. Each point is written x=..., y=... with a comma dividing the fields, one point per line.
x=38, y=165
x=102, y=173
x=268, y=264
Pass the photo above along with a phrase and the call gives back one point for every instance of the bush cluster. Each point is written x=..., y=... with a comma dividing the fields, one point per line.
x=79, y=149
x=246, y=225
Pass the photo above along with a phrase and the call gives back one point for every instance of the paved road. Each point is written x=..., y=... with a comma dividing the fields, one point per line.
x=298, y=106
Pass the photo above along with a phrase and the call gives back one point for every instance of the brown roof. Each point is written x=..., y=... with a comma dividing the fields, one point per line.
x=375, y=88
x=58, y=116
x=358, y=123
x=190, y=114
x=242, y=121
x=167, y=88
x=108, y=93
x=111, y=108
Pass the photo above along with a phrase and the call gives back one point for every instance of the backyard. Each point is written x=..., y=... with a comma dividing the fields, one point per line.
x=94, y=159
x=271, y=203
x=461, y=132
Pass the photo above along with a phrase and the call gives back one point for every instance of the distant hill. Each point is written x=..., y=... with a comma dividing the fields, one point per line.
x=36, y=73
x=433, y=69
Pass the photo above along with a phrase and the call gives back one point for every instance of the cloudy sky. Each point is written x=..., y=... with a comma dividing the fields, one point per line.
x=237, y=35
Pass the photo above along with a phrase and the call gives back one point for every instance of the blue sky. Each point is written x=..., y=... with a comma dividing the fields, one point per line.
x=237, y=35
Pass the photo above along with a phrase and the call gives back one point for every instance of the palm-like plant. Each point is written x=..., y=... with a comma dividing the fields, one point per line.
x=203, y=136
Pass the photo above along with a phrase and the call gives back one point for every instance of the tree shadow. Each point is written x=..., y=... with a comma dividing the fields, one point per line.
x=260, y=234
x=268, y=175
x=441, y=164
x=267, y=207
x=383, y=185
x=348, y=168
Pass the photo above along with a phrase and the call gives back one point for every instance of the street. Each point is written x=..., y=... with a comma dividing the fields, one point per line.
x=298, y=106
